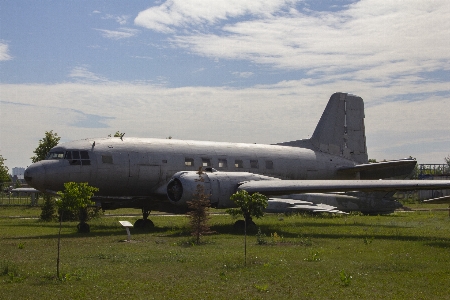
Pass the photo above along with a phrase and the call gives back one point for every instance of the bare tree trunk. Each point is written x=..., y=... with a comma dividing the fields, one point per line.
x=59, y=245
x=245, y=241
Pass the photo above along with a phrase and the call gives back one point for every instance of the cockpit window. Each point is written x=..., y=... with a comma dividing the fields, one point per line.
x=55, y=155
x=76, y=157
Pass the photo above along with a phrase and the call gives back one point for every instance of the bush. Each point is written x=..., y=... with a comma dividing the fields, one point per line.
x=48, y=212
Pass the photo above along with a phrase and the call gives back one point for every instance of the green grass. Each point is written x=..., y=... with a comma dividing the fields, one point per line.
x=398, y=256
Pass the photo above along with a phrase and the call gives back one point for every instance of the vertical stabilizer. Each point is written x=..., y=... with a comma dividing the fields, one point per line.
x=340, y=130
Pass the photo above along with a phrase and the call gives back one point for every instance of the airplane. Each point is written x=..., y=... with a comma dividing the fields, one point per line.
x=328, y=172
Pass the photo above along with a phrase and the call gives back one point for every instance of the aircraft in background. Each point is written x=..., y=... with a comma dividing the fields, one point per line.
x=328, y=172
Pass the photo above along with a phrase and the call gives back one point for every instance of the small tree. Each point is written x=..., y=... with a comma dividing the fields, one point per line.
x=117, y=134
x=48, y=209
x=248, y=206
x=49, y=141
x=75, y=196
x=198, y=213
x=4, y=172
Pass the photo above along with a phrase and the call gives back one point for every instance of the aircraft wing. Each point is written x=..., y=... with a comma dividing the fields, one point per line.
x=440, y=200
x=283, y=187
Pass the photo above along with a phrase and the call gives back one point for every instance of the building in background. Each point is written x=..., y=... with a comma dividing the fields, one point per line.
x=18, y=172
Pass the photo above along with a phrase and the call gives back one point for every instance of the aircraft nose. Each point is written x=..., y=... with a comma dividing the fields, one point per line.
x=35, y=175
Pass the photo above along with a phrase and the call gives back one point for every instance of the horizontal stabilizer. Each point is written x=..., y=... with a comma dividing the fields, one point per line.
x=281, y=205
x=440, y=200
x=25, y=190
x=283, y=187
x=380, y=170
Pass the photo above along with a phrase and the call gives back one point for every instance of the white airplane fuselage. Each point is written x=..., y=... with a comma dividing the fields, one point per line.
x=142, y=167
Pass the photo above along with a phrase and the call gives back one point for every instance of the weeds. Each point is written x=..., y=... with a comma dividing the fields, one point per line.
x=260, y=238
x=345, y=278
x=10, y=270
x=276, y=239
x=263, y=288
x=368, y=241
x=313, y=256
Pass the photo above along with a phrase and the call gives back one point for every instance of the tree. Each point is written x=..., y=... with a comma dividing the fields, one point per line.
x=198, y=213
x=48, y=142
x=75, y=196
x=117, y=134
x=4, y=172
x=248, y=206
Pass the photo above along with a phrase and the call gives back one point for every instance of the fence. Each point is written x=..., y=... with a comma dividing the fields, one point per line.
x=20, y=199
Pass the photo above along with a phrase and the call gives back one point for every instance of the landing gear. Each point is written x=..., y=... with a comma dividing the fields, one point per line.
x=144, y=223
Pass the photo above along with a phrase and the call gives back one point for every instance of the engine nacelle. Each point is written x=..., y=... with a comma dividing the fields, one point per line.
x=219, y=186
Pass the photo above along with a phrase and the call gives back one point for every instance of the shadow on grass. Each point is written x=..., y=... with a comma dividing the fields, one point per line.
x=228, y=229
x=170, y=231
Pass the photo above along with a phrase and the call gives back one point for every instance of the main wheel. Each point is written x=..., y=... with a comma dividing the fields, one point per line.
x=139, y=223
x=144, y=224
x=83, y=228
x=148, y=224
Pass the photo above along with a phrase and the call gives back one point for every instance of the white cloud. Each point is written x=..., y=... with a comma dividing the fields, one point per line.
x=367, y=40
x=4, y=52
x=181, y=13
x=285, y=111
x=122, y=20
x=82, y=73
x=118, y=34
x=243, y=74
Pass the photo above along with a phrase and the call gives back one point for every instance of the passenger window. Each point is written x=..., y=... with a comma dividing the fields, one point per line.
x=238, y=163
x=269, y=164
x=189, y=162
x=206, y=162
x=254, y=164
x=222, y=163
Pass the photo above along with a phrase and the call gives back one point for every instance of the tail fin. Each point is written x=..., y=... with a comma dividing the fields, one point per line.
x=340, y=130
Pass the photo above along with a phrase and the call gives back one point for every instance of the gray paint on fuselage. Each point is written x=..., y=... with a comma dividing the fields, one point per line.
x=139, y=166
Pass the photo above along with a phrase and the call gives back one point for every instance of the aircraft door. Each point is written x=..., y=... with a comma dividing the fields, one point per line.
x=143, y=177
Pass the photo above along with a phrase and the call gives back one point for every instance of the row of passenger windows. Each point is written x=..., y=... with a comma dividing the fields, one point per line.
x=74, y=157
x=223, y=163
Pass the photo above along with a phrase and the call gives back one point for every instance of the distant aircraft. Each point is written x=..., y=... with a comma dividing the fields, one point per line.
x=328, y=172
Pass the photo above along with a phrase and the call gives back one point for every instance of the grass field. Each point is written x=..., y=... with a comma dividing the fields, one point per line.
x=399, y=256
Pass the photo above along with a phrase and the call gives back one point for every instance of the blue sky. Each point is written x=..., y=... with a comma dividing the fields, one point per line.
x=224, y=70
